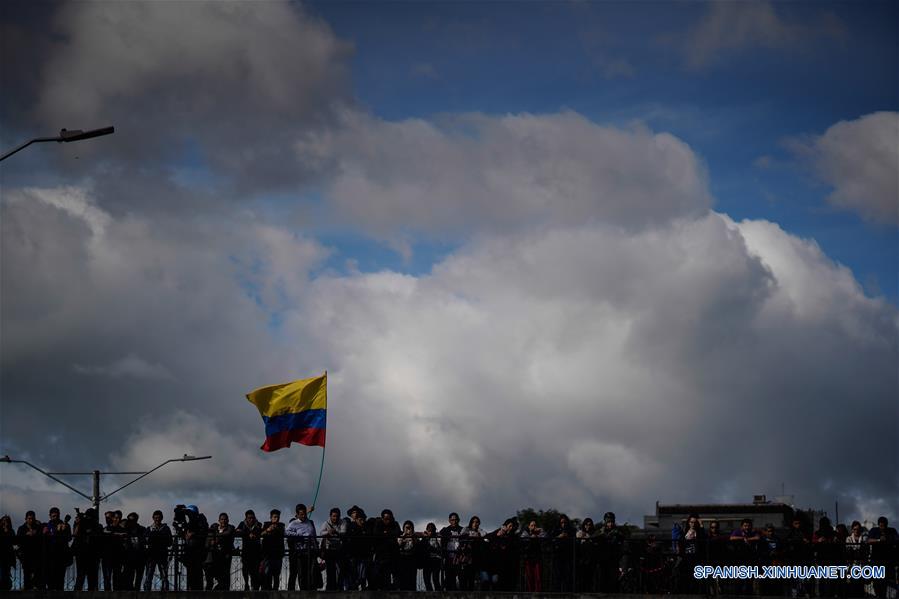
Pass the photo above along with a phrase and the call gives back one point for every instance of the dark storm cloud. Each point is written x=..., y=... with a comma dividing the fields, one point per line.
x=190, y=85
x=26, y=41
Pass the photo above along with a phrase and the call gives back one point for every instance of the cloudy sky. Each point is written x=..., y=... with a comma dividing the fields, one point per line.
x=554, y=254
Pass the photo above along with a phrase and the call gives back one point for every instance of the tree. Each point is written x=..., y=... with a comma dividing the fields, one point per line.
x=546, y=519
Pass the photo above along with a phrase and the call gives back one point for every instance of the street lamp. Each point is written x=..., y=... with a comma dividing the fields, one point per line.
x=65, y=135
x=95, y=498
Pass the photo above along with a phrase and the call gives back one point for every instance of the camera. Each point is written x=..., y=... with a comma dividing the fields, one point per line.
x=179, y=522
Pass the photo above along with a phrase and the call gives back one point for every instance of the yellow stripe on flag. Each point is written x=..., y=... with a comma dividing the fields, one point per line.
x=290, y=398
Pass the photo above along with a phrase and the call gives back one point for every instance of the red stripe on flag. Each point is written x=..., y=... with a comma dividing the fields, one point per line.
x=304, y=436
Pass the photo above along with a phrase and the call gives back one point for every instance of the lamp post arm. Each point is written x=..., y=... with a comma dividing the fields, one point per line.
x=149, y=472
x=47, y=474
x=25, y=145
x=145, y=474
x=65, y=135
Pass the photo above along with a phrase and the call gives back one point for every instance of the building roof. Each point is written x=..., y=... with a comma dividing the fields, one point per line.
x=732, y=508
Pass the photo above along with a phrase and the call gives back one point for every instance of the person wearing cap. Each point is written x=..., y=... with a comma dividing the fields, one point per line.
x=194, y=533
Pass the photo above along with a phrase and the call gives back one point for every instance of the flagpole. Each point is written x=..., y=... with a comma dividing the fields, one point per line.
x=320, y=470
x=322, y=467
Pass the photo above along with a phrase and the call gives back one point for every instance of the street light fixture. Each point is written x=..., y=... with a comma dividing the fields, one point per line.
x=95, y=498
x=65, y=136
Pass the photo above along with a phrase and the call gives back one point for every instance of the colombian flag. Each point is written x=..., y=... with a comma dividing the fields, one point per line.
x=293, y=412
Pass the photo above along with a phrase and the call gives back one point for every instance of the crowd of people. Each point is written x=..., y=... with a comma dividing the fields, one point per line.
x=358, y=552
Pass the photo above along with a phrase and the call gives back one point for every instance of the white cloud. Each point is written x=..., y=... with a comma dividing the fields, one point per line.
x=476, y=173
x=580, y=365
x=522, y=358
x=596, y=464
x=860, y=160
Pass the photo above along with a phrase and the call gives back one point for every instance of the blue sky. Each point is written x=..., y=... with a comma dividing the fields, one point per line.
x=421, y=59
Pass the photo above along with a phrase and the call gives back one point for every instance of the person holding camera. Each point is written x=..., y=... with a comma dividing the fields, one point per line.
x=272, y=537
x=220, y=544
x=192, y=529
x=158, y=540
x=250, y=531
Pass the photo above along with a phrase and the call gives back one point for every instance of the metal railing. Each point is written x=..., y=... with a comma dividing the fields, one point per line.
x=639, y=564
